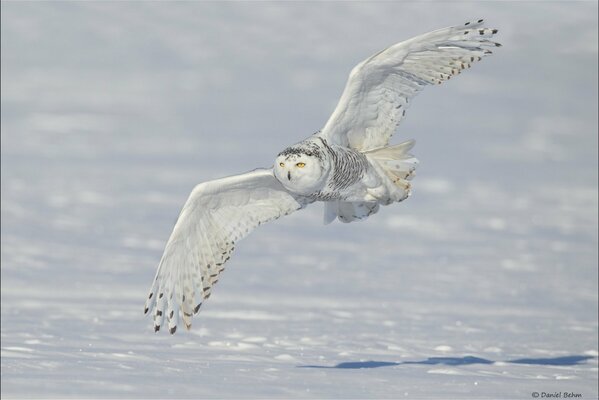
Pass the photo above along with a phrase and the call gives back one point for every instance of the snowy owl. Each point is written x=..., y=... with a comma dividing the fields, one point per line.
x=349, y=165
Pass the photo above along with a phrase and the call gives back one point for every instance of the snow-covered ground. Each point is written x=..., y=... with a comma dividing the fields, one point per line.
x=482, y=285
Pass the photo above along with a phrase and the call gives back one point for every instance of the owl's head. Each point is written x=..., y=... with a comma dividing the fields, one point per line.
x=301, y=170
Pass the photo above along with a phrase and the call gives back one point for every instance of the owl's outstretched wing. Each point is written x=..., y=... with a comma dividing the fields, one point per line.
x=379, y=88
x=216, y=215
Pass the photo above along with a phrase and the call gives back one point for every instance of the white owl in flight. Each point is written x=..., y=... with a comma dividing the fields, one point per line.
x=348, y=165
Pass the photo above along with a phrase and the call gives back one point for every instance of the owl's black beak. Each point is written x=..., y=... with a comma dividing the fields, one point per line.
x=289, y=175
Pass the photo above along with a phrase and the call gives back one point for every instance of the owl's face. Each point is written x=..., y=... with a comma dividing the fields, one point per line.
x=300, y=173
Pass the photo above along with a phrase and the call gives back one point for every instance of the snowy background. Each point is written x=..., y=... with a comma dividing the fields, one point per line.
x=482, y=285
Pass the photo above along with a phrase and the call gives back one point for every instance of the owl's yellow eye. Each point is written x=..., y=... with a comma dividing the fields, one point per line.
x=300, y=165
x=281, y=164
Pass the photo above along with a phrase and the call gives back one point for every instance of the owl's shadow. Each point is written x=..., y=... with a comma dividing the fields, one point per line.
x=467, y=360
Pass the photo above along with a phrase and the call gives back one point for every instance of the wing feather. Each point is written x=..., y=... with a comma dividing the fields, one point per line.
x=379, y=88
x=216, y=215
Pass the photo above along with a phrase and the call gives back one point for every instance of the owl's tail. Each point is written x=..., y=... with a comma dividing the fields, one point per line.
x=397, y=164
x=396, y=167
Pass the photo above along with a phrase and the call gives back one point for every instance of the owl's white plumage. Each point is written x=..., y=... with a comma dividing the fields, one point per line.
x=300, y=173
x=348, y=165
x=216, y=215
x=379, y=88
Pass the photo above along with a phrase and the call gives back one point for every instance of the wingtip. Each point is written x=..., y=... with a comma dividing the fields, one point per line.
x=478, y=21
x=173, y=330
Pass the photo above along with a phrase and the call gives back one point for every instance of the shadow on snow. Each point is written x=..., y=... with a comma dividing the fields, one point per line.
x=468, y=360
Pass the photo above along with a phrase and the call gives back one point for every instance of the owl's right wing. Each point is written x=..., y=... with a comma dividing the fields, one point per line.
x=379, y=88
x=216, y=215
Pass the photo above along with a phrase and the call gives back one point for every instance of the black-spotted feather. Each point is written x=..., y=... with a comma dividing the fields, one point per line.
x=379, y=88
x=215, y=216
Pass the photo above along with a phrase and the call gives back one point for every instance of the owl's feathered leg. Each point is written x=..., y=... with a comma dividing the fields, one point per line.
x=349, y=211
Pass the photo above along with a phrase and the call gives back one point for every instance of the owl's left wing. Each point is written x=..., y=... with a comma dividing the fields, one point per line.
x=216, y=215
x=379, y=88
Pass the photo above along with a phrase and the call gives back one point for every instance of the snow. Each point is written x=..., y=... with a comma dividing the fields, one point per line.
x=482, y=285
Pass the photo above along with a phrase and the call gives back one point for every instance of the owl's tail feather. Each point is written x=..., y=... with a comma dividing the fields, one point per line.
x=398, y=165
